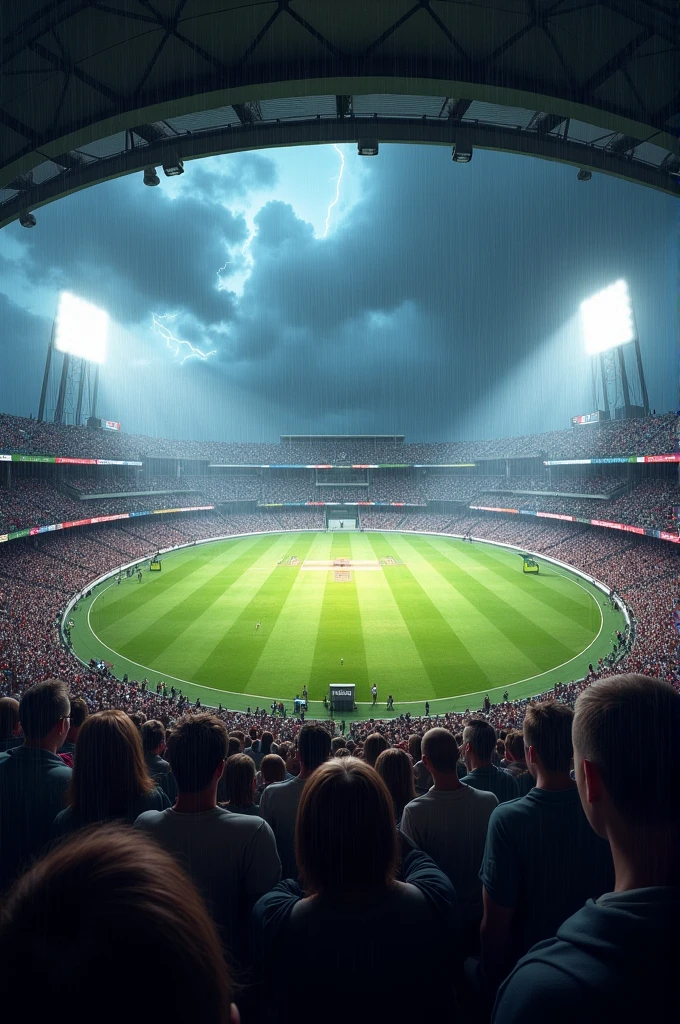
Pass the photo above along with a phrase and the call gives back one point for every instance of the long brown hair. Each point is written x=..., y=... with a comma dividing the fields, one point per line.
x=345, y=835
x=395, y=768
x=109, y=773
x=87, y=909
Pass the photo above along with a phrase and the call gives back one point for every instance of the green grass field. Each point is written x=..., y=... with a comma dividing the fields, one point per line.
x=431, y=619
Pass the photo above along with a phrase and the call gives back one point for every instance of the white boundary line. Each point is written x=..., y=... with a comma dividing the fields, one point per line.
x=430, y=533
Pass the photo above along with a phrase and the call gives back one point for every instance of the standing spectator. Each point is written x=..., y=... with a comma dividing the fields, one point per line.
x=617, y=957
x=449, y=823
x=280, y=801
x=230, y=857
x=479, y=744
x=110, y=781
x=10, y=727
x=515, y=763
x=94, y=906
x=421, y=776
x=239, y=784
x=373, y=747
x=395, y=768
x=79, y=712
x=542, y=860
x=346, y=846
x=33, y=778
x=272, y=769
x=154, y=744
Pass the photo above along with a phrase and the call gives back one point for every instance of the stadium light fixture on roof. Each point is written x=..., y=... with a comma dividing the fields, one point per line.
x=367, y=147
x=81, y=329
x=608, y=319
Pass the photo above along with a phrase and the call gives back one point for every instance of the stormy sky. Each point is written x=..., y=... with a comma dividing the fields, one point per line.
x=433, y=299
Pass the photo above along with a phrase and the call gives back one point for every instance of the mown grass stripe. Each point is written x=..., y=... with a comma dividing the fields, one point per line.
x=178, y=569
x=447, y=661
x=289, y=649
x=548, y=586
x=479, y=632
x=340, y=634
x=131, y=618
x=157, y=635
x=541, y=645
x=392, y=657
x=233, y=659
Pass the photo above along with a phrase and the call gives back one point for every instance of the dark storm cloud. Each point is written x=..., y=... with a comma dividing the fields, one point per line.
x=133, y=249
x=23, y=345
x=443, y=305
x=417, y=310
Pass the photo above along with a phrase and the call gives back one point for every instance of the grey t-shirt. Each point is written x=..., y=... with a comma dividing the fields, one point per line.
x=451, y=826
x=278, y=807
x=228, y=857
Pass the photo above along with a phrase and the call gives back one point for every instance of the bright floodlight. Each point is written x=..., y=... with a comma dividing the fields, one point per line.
x=81, y=329
x=608, y=319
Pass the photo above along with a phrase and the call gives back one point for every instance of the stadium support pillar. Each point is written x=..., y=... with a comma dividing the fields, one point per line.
x=46, y=375
x=624, y=381
x=605, y=393
x=95, y=393
x=81, y=384
x=641, y=375
x=59, y=411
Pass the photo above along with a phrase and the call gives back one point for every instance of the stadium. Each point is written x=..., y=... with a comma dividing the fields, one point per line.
x=284, y=652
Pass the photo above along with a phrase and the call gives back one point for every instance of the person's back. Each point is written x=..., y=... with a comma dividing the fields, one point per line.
x=616, y=958
x=279, y=802
x=153, y=742
x=347, y=849
x=231, y=857
x=110, y=781
x=479, y=744
x=108, y=908
x=450, y=822
x=33, y=778
x=542, y=860
x=10, y=728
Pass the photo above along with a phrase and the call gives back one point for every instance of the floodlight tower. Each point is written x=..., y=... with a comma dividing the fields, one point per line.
x=610, y=333
x=79, y=332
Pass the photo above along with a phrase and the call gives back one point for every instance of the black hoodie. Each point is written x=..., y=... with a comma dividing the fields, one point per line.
x=615, y=960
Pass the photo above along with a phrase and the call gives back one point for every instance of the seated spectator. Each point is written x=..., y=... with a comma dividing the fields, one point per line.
x=337, y=743
x=479, y=744
x=110, y=781
x=154, y=744
x=279, y=802
x=33, y=778
x=234, y=746
x=542, y=861
x=346, y=846
x=239, y=784
x=79, y=712
x=617, y=957
x=139, y=718
x=395, y=768
x=10, y=727
x=230, y=857
x=514, y=762
x=449, y=822
x=93, y=908
x=373, y=747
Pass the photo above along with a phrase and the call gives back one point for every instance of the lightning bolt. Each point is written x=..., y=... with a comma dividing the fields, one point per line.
x=337, y=187
x=174, y=343
x=219, y=271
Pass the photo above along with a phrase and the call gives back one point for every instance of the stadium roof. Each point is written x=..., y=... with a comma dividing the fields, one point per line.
x=92, y=89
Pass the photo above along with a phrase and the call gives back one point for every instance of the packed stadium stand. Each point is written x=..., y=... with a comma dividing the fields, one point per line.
x=645, y=436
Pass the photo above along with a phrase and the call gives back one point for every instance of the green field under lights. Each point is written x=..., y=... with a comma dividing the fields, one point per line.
x=423, y=617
